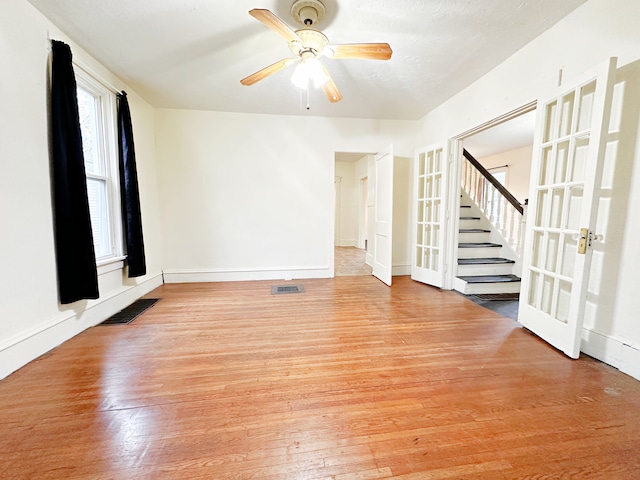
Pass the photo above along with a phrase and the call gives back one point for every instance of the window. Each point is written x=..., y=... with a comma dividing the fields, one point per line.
x=97, y=112
x=500, y=174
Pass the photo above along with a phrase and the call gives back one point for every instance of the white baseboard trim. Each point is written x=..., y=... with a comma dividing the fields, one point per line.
x=241, y=275
x=400, y=270
x=17, y=351
x=348, y=242
x=611, y=351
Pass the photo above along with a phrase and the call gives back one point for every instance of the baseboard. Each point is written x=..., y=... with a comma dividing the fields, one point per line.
x=240, y=275
x=611, y=351
x=400, y=270
x=25, y=347
x=348, y=242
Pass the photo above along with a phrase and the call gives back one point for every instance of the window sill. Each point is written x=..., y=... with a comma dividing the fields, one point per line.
x=110, y=264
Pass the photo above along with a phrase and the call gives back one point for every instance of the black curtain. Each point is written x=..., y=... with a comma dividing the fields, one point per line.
x=75, y=255
x=129, y=190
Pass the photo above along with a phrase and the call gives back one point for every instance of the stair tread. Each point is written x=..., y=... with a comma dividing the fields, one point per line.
x=479, y=245
x=484, y=261
x=490, y=278
x=473, y=230
x=469, y=218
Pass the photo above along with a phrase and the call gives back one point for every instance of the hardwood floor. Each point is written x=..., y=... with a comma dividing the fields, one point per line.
x=350, y=380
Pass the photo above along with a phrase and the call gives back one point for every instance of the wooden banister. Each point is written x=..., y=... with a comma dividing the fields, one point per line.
x=501, y=188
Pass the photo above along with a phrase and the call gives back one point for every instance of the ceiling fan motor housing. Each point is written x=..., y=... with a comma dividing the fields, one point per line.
x=313, y=43
x=307, y=12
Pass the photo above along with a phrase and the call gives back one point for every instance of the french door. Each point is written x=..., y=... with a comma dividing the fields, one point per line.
x=429, y=232
x=567, y=162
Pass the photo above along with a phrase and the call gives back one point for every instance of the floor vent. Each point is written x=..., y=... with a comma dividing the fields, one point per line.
x=129, y=314
x=276, y=289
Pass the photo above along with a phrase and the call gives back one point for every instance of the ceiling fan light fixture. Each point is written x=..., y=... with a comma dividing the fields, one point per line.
x=328, y=51
x=307, y=44
x=309, y=71
x=307, y=12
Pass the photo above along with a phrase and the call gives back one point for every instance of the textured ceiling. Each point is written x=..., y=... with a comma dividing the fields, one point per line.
x=515, y=133
x=192, y=54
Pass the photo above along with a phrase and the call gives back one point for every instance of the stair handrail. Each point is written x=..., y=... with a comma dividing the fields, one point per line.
x=494, y=181
x=493, y=199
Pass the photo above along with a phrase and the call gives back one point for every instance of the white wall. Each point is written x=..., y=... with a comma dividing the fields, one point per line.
x=594, y=32
x=519, y=162
x=362, y=178
x=402, y=198
x=251, y=196
x=31, y=319
x=347, y=210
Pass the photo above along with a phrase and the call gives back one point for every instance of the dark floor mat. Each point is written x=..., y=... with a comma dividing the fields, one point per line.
x=506, y=304
x=497, y=296
x=129, y=314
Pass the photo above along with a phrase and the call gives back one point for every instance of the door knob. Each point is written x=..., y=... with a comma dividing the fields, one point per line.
x=585, y=239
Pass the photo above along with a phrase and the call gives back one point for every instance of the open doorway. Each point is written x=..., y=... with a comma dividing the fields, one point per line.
x=505, y=150
x=495, y=177
x=351, y=232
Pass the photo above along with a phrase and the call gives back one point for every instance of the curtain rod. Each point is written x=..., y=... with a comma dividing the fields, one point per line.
x=86, y=68
x=501, y=166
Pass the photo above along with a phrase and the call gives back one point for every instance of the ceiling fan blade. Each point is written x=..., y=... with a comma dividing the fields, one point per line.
x=330, y=88
x=275, y=24
x=369, y=51
x=265, y=72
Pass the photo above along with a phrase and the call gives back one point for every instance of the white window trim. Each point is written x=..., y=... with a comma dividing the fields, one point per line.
x=109, y=145
x=503, y=169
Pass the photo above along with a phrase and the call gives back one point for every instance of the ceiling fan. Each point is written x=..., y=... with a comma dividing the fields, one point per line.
x=308, y=45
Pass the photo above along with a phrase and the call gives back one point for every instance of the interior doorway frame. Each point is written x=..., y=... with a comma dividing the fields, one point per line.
x=363, y=153
x=455, y=149
x=363, y=214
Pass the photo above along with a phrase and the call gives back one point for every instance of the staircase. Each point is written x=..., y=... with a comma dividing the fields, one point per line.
x=486, y=264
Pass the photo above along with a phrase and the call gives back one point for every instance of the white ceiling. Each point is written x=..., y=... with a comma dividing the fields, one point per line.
x=192, y=54
x=514, y=133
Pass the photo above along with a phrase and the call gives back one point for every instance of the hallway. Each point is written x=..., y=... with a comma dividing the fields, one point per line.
x=349, y=261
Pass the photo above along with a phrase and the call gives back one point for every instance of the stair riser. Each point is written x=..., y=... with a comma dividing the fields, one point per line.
x=473, y=237
x=478, y=252
x=477, y=288
x=469, y=223
x=476, y=270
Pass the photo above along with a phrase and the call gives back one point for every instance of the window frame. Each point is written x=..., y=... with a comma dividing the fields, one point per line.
x=108, y=151
x=503, y=169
